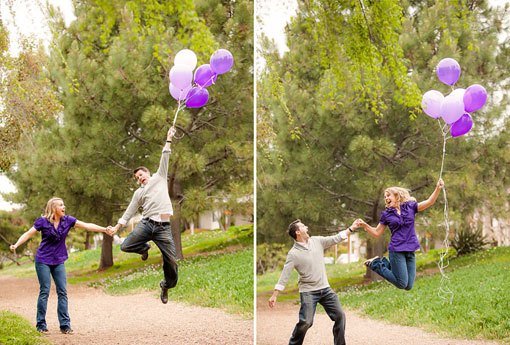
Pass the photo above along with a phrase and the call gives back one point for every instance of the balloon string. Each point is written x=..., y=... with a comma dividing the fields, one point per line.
x=179, y=108
x=445, y=293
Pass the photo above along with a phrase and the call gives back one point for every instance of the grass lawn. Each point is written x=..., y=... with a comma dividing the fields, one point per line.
x=15, y=330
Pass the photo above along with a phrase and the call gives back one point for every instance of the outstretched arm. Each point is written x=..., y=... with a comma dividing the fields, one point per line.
x=163, y=163
x=23, y=238
x=432, y=198
x=374, y=231
x=89, y=226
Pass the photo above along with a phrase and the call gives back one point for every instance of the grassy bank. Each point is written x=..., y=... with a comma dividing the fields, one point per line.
x=15, y=330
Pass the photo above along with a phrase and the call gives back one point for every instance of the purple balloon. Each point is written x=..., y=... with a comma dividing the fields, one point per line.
x=462, y=125
x=474, y=98
x=453, y=106
x=448, y=71
x=431, y=103
x=221, y=61
x=177, y=93
x=181, y=76
x=204, y=76
x=197, y=97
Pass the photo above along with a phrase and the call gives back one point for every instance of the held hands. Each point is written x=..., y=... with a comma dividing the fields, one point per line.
x=13, y=248
x=440, y=184
x=111, y=230
x=361, y=223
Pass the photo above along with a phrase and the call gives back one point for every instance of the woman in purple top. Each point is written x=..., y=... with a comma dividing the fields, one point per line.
x=54, y=226
x=399, y=215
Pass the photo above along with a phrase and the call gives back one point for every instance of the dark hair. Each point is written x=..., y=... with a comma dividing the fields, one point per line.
x=140, y=168
x=293, y=227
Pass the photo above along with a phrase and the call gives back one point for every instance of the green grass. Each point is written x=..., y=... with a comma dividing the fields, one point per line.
x=480, y=283
x=208, y=241
x=219, y=280
x=217, y=270
x=15, y=330
x=481, y=299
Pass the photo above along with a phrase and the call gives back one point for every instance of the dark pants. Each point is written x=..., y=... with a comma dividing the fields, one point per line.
x=400, y=270
x=159, y=233
x=329, y=300
x=44, y=274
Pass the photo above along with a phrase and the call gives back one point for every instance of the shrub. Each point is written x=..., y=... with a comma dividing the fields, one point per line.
x=469, y=241
x=270, y=256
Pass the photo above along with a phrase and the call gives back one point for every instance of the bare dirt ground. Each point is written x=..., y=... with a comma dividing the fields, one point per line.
x=98, y=318
x=275, y=327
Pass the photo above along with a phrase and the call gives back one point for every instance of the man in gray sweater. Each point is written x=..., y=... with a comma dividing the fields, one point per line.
x=307, y=257
x=153, y=198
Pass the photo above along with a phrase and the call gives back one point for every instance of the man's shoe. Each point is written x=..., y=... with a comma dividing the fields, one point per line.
x=43, y=330
x=164, y=292
x=369, y=261
x=145, y=254
x=66, y=330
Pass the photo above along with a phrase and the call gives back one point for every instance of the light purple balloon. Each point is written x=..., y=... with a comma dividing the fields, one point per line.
x=204, y=76
x=448, y=71
x=462, y=126
x=431, y=103
x=474, y=98
x=178, y=94
x=453, y=106
x=197, y=97
x=221, y=61
x=181, y=76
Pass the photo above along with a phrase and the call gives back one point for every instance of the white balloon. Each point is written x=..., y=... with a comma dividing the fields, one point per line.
x=186, y=57
x=431, y=103
x=452, y=108
x=181, y=76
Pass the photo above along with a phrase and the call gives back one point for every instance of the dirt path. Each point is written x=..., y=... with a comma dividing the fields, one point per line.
x=98, y=318
x=275, y=327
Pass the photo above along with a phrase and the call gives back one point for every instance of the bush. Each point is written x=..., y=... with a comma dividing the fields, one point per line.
x=469, y=241
x=270, y=256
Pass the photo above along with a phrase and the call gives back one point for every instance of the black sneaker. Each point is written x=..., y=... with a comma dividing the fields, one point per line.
x=145, y=254
x=42, y=330
x=164, y=292
x=66, y=330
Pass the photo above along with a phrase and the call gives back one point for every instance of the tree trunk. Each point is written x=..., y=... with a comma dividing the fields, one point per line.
x=106, y=253
x=106, y=249
x=176, y=196
x=375, y=246
x=87, y=240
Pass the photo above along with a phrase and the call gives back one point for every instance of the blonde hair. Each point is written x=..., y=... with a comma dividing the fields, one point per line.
x=49, y=211
x=401, y=194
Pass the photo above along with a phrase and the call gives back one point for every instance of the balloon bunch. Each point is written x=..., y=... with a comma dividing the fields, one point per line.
x=190, y=89
x=455, y=108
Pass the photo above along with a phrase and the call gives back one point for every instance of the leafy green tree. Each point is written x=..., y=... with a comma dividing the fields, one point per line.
x=326, y=157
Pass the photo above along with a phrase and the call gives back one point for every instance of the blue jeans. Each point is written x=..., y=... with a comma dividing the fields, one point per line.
x=400, y=270
x=44, y=274
x=160, y=233
x=329, y=300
